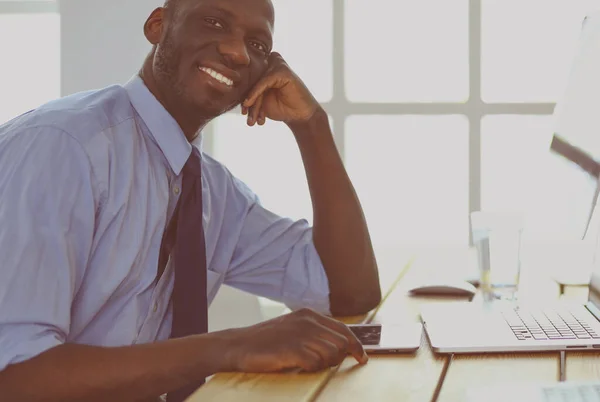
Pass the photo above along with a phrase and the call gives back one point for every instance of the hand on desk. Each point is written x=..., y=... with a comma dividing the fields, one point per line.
x=303, y=339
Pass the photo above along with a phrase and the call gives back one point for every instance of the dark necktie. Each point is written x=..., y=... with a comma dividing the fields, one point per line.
x=184, y=241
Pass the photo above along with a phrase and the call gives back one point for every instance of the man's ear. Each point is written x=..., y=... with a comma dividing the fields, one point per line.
x=153, y=28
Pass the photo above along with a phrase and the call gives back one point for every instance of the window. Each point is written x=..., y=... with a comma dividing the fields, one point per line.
x=439, y=107
x=406, y=51
x=274, y=172
x=30, y=49
x=528, y=46
x=401, y=207
x=308, y=52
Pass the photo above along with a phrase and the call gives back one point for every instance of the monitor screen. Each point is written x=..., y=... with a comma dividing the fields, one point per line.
x=577, y=135
x=593, y=235
x=577, y=121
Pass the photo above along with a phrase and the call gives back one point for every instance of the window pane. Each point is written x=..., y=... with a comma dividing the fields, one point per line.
x=30, y=67
x=407, y=51
x=519, y=173
x=266, y=159
x=528, y=47
x=411, y=174
x=307, y=51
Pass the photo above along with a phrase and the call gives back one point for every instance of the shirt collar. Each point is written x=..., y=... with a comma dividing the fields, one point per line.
x=163, y=128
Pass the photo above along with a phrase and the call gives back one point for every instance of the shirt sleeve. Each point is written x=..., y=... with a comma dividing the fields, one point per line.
x=47, y=212
x=275, y=257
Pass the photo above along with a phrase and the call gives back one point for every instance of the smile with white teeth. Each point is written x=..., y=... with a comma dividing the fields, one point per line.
x=219, y=77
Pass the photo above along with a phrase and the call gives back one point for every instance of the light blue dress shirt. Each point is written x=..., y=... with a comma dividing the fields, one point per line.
x=87, y=184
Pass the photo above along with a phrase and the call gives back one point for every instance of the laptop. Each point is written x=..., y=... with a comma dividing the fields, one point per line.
x=505, y=327
x=551, y=392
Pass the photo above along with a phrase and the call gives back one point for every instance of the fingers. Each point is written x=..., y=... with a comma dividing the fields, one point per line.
x=274, y=79
x=354, y=347
x=310, y=359
x=329, y=354
x=350, y=343
x=255, y=111
x=339, y=340
x=261, y=117
x=258, y=90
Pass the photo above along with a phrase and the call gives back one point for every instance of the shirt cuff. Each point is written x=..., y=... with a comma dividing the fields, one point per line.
x=17, y=351
x=306, y=284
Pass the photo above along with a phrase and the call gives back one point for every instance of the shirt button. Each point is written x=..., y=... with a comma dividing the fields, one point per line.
x=155, y=307
x=176, y=190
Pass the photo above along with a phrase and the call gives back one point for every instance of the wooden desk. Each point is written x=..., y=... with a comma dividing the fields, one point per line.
x=423, y=376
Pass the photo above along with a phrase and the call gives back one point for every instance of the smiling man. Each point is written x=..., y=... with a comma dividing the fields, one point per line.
x=116, y=232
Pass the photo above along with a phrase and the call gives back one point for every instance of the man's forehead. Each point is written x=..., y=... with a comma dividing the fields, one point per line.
x=248, y=8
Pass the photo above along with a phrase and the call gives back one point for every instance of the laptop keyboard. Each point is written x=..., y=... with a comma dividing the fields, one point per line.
x=578, y=393
x=549, y=324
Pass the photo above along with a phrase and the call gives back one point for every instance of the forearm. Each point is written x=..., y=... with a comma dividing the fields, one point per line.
x=340, y=231
x=134, y=373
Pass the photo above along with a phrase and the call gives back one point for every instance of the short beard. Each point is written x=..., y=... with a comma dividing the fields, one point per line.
x=165, y=66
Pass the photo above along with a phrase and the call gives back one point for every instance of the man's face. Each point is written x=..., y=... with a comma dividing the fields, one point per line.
x=213, y=52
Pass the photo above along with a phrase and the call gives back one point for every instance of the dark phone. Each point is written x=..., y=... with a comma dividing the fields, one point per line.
x=367, y=334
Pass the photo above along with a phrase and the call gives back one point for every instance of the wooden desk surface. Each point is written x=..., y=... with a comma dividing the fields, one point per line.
x=423, y=376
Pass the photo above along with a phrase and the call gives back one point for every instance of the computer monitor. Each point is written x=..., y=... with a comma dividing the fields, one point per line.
x=577, y=135
x=577, y=140
x=577, y=118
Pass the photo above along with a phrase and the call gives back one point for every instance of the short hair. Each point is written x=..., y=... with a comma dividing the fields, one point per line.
x=171, y=5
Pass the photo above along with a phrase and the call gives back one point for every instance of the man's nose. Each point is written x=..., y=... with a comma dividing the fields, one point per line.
x=235, y=51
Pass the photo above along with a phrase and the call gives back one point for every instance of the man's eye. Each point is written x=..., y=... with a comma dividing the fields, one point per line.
x=259, y=46
x=214, y=22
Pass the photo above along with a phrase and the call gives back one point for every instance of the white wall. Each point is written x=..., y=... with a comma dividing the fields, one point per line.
x=102, y=43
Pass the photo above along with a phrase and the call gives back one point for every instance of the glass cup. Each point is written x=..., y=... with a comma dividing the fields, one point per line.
x=497, y=240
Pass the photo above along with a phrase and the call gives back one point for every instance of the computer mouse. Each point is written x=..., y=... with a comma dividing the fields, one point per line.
x=458, y=288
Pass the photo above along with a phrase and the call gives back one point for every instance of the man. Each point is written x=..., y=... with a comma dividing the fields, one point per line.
x=93, y=187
